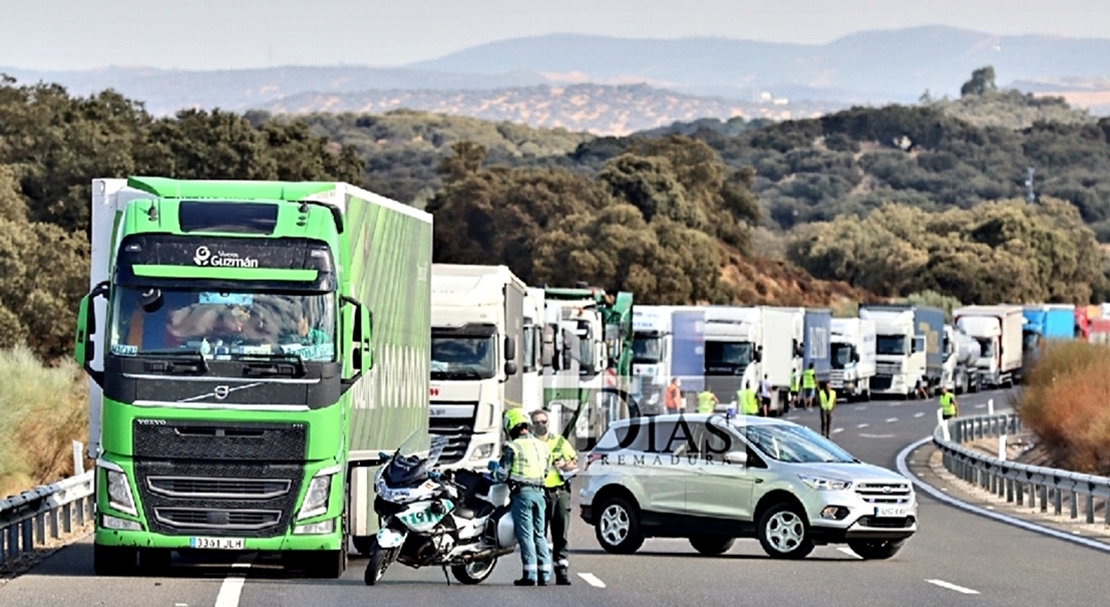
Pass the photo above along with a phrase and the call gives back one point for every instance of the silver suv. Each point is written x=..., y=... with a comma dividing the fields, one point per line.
x=711, y=478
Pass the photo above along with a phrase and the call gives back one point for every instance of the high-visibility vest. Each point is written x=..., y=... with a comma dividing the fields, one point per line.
x=947, y=404
x=530, y=460
x=809, y=379
x=793, y=381
x=558, y=447
x=749, y=405
x=828, y=401
x=705, y=402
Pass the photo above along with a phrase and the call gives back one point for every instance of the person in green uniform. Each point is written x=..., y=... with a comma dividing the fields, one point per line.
x=707, y=401
x=949, y=408
x=524, y=465
x=793, y=402
x=827, y=402
x=556, y=486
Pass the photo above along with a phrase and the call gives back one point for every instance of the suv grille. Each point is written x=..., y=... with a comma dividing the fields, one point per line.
x=884, y=493
x=886, y=523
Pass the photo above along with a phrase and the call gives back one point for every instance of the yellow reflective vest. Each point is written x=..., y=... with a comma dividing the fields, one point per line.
x=560, y=449
x=748, y=404
x=948, y=404
x=828, y=400
x=705, y=402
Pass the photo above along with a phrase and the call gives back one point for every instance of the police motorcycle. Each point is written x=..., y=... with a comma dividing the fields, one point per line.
x=453, y=518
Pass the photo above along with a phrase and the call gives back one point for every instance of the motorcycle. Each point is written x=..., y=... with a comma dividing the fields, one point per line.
x=455, y=518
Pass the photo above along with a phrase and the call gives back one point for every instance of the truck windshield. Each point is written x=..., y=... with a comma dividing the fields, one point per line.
x=727, y=357
x=892, y=345
x=986, y=347
x=222, y=325
x=456, y=357
x=647, y=349
x=841, y=355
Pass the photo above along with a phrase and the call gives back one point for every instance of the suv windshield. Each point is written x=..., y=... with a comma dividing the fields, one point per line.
x=222, y=324
x=794, y=444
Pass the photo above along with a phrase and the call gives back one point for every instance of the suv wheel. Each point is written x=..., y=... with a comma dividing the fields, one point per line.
x=711, y=545
x=876, y=549
x=784, y=532
x=618, y=527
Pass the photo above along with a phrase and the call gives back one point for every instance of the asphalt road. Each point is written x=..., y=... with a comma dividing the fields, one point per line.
x=956, y=558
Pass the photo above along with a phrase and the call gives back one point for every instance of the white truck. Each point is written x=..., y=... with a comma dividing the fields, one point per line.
x=961, y=353
x=907, y=347
x=652, y=349
x=998, y=329
x=532, y=359
x=853, y=357
x=477, y=324
x=744, y=343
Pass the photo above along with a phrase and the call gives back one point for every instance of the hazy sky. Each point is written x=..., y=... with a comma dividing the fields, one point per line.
x=207, y=34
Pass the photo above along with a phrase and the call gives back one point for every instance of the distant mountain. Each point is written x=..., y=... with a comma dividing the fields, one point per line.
x=875, y=67
x=593, y=108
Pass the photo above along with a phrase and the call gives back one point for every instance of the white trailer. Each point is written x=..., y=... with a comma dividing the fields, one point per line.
x=853, y=357
x=998, y=329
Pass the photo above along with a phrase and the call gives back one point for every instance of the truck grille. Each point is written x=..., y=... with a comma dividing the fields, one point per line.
x=836, y=378
x=457, y=430
x=223, y=441
x=881, y=382
x=884, y=493
x=888, y=368
x=243, y=499
x=230, y=488
x=238, y=520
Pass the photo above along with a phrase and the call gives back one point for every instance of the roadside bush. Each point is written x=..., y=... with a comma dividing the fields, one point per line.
x=1066, y=404
x=42, y=410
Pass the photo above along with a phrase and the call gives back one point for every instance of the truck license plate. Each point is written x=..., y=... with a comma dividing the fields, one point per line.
x=216, y=543
x=891, y=511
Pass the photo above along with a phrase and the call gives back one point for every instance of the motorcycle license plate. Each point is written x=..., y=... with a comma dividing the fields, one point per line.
x=216, y=543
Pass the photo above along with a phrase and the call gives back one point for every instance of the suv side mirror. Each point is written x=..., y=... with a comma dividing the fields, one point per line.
x=737, y=457
x=84, y=350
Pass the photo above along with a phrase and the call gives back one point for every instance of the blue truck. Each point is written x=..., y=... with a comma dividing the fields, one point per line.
x=817, y=345
x=1044, y=322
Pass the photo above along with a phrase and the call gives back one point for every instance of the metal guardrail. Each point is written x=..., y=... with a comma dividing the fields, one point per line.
x=1015, y=481
x=25, y=519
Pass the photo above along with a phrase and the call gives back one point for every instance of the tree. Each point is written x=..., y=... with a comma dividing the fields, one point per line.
x=982, y=81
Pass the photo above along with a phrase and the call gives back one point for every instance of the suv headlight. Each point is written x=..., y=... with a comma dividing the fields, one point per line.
x=825, y=484
x=316, y=498
x=119, y=489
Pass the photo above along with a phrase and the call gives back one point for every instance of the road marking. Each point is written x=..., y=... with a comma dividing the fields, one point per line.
x=904, y=470
x=891, y=420
x=944, y=584
x=592, y=580
x=861, y=408
x=849, y=552
x=862, y=435
x=863, y=425
x=922, y=414
x=233, y=585
x=835, y=430
x=981, y=406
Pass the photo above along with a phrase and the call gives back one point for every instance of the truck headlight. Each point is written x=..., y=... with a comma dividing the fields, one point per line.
x=825, y=484
x=119, y=489
x=482, y=453
x=316, y=498
x=321, y=528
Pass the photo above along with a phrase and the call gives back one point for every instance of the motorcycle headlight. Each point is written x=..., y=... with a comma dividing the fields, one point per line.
x=316, y=498
x=825, y=484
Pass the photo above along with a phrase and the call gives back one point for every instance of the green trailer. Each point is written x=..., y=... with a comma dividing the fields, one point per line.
x=252, y=348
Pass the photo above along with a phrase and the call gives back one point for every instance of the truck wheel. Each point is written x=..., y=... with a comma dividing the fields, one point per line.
x=784, y=532
x=618, y=527
x=114, y=560
x=711, y=545
x=876, y=549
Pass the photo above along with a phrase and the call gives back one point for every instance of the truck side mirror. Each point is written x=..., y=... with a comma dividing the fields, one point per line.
x=84, y=350
x=799, y=351
x=510, y=368
x=358, y=328
x=919, y=344
x=510, y=347
x=759, y=354
x=547, y=347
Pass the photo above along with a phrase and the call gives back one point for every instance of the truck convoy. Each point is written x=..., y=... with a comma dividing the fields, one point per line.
x=907, y=347
x=998, y=329
x=853, y=357
x=252, y=347
x=744, y=344
x=480, y=358
x=590, y=335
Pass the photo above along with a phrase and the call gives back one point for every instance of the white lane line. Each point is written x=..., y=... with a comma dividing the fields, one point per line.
x=861, y=408
x=944, y=584
x=904, y=470
x=981, y=406
x=233, y=585
x=891, y=420
x=592, y=580
x=921, y=414
x=849, y=552
x=836, y=430
x=862, y=435
x=863, y=425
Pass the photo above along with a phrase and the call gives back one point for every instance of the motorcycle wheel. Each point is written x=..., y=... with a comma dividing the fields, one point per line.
x=474, y=572
x=380, y=558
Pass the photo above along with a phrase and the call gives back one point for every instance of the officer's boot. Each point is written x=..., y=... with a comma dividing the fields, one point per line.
x=562, y=578
x=524, y=581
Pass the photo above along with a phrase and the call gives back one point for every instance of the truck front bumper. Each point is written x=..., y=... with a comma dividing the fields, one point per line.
x=144, y=539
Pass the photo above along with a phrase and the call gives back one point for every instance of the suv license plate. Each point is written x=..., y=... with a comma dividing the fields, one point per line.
x=216, y=543
x=891, y=512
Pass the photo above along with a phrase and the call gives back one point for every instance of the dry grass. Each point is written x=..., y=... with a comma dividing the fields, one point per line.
x=1066, y=403
x=42, y=410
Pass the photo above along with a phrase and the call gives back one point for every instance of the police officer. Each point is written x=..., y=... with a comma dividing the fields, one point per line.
x=707, y=401
x=524, y=464
x=949, y=408
x=564, y=461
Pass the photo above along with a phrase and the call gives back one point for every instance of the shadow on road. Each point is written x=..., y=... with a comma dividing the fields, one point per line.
x=671, y=555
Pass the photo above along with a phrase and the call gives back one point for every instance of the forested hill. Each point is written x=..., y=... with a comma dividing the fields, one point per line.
x=926, y=205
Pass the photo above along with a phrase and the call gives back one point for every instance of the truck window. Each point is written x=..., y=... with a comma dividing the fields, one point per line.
x=892, y=345
x=647, y=349
x=465, y=354
x=727, y=357
x=528, y=349
x=841, y=355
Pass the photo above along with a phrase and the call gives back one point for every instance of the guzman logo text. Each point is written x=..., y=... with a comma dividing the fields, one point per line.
x=222, y=259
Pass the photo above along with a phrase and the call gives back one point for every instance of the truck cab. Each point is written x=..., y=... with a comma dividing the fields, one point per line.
x=652, y=353
x=899, y=352
x=853, y=357
x=477, y=331
x=998, y=329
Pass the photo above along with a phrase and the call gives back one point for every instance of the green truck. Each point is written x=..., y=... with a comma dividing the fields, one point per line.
x=252, y=348
x=589, y=339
